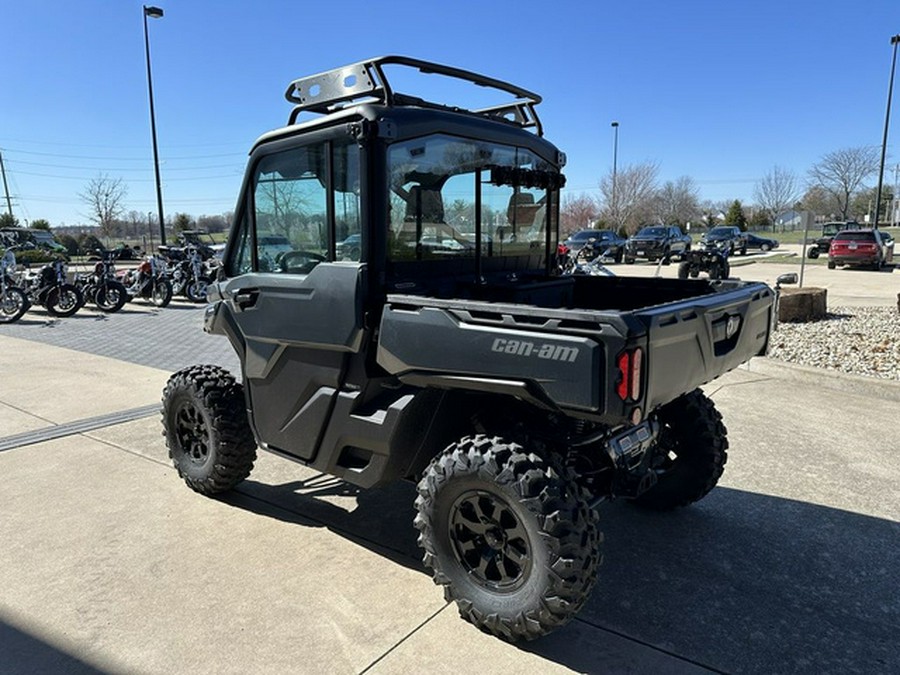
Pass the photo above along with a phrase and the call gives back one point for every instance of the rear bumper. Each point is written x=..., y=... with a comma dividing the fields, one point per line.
x=853, y=259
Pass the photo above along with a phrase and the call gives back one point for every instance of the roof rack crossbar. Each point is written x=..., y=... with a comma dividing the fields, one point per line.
x=366, y=81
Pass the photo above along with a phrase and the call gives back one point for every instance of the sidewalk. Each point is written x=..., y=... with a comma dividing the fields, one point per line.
x=110, y=564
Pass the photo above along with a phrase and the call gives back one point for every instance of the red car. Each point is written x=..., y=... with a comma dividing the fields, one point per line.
x=860, y=247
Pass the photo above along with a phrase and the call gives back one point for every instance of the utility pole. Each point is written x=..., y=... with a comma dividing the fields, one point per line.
x=887, y=118
x=5, y=187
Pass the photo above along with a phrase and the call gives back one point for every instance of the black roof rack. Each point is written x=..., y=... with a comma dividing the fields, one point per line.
x=366, y=82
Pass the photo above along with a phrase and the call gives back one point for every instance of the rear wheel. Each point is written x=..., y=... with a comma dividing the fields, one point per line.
x=13, y=304
x=813, y=253
x=196, y=289
x=206, y=428
x=719, y=270
x=831, y=264
x=509, y=536
x=690, y=453
x=765, y=248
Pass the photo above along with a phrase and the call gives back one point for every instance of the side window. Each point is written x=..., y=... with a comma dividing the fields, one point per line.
x=291, y=200
x=240, y=260
x=347, y=222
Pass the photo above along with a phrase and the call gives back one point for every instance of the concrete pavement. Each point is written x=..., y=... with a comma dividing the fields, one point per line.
x=110, y=564
x=847, y=286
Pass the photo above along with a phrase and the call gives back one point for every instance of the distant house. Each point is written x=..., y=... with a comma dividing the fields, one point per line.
x=789, y=220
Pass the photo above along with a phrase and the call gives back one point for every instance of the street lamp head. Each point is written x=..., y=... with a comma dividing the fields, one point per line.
x=895, y=39
x=153, y=12
x=614, y=124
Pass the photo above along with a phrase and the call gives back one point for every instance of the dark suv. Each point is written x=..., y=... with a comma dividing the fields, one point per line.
x=729, y=236
x=451, y=352
x=655, y=242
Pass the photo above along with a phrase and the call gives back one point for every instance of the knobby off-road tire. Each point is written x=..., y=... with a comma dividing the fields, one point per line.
x=691, y=452
x=509, y=536
x=206, y=428
x=720, y=270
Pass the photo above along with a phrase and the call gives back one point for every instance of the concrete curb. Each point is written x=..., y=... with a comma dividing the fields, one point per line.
x=860, y=385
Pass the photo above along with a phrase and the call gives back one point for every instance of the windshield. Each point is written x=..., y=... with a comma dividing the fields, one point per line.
x=652, y=232
x=437, y=184
x=721, y=232
x=855, y=236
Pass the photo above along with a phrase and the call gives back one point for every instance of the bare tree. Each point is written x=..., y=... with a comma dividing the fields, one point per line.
x=842, y=172
x=104, y=197
x=777, y=191
x=577, y=213
x=817, y=200
x=632, y=204
x=678, y=202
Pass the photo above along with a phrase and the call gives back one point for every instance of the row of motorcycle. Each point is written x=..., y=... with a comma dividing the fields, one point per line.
x=157, y=279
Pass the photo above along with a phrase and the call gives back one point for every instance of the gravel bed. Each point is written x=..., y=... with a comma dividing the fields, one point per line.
x=857, y=340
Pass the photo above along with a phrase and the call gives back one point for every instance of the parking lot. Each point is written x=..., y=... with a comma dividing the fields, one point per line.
x=112, y=565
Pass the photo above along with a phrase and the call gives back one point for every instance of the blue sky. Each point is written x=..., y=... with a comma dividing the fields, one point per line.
x=719, y=91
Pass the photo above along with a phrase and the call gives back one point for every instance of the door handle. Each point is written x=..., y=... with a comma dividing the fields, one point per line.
x=245, y=298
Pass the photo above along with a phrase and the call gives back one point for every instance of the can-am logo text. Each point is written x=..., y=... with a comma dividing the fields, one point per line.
x=546, y=351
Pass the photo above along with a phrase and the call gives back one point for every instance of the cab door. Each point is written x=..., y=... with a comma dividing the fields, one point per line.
x=296, y=310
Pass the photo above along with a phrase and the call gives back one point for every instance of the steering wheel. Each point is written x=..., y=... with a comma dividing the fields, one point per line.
x=300, y=262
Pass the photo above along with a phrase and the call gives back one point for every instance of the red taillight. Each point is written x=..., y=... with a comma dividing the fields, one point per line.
x=630, y=364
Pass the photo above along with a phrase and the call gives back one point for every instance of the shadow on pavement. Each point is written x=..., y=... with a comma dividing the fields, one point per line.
x=24, y=653
x=741, y=582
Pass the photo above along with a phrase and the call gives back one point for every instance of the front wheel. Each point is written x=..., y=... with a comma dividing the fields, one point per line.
x=812, y=253
x=207, y=433
x=510, y=537
x=64, y=300
x=690, y=453
x=13, y=304
x=110, y=297
x=161, y=292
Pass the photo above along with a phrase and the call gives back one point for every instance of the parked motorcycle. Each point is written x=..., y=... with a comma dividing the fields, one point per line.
x=188, y=274
x=13, y=300
x=148, y=280
x=586, y=261
x=50, y=287
x=101, y=287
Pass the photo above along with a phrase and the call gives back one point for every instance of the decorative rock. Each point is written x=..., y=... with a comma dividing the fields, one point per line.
x=856, y=340
x=802, y=304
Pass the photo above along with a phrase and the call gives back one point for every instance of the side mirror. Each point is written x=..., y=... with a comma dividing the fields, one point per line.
x=784, y=279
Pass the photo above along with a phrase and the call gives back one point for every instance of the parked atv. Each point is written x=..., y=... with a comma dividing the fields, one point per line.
x=711, y=258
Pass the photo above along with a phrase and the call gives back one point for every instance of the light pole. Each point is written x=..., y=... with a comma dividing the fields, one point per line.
x=887, y=118
x=615, y=204
x=154, y=13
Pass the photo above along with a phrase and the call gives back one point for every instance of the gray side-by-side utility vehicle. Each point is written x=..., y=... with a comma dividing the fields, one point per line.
x=409, y=322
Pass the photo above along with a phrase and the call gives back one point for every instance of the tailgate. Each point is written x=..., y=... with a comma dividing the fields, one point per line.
x=694, y=341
